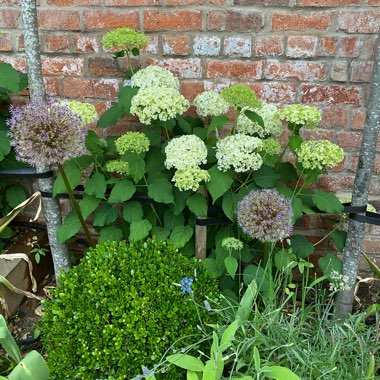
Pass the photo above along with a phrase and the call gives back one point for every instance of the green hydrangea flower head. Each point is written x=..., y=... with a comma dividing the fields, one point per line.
x=135, y=142
x=154, y=76
x=319, y=154
x=271, y=146
x=86, y=111
x=190, y=178
x=210, y=103
x=232, y=244
x=299, y=114
x=240, y=96
x=117, y=166
x=125, y=39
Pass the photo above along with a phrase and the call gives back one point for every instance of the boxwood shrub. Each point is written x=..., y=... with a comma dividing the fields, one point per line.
x=120, y=310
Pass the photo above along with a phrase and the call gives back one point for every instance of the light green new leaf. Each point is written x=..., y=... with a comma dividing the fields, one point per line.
x=231, y=265
x=96, y=186
x=32, y=367
x=210, y=371
x=181, y=235
x=122, y=191
x=139, y=230
x=280, y=373
x=191, y=375
x=161, y=190
x=219, y=182
x=132, y=212
x=228, y=335
x=197, y=204
x=328, y=202
x=246, y=302
x=186, y=362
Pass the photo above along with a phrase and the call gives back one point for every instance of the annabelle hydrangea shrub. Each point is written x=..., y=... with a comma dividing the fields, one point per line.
x=177, y=169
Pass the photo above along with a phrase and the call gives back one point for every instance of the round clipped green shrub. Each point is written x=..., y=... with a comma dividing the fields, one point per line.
x=120, y=310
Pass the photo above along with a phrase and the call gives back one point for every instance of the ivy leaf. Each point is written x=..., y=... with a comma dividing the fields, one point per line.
x=105, y=216
x=181, y=235
x=139, y=230
x=161, y=190
x=110, y=233
x=122, y=191
x=339, y=238
x=219, y=182
x=328, y=202
x=132, y=212
x=265, y=177
x=15, y=195
x=96, y=186
x=126, y=94
x=70, y=226
x=111, y=117
x=301, y=247
x=217, y=123
x=231, y=265
x=5, y=146
x=197, y=204
x=73, y=175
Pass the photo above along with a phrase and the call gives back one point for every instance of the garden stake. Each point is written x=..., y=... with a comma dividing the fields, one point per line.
x=201, y=235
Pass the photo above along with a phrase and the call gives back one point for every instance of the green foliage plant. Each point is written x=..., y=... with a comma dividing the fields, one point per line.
x=122, y=308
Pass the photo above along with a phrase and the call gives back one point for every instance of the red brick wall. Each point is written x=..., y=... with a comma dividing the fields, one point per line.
x=318, y=52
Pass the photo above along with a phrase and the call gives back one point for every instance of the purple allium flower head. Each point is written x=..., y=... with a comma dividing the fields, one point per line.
x=265, y=215
x=46, y=133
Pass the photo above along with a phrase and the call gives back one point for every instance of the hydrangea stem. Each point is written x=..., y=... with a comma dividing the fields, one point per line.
x=129, y=61
x=76, y=206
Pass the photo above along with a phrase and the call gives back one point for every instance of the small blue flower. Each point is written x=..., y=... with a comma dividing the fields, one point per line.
x=207, y=305
x=186, y=283
x=147, y=372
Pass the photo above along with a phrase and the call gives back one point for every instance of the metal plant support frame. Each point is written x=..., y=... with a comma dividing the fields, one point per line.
x=52, y=211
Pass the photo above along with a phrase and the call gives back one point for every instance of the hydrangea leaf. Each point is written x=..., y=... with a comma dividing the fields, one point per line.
x=5, y=146
x=180, y=198
x=217, y=123
x=297, y=208
x=197, y=204
x=339, y=238
x=122, y=191
x=88, y=205
x=184, y=125
x=160, y=189
x=132, y=212
x=301, y=247
x=126, y=94
x=330, y=263
x=328, y=202
x=139, y=230
x=229, y=205
x=161, y=233
x=287, y=172
x=295, y=142
x=15, y=195
x=110, y=233
x=213, y=267
x=96, y=186
x=136, y=165
x=219, y=182
x=70, y=226
x=9, y=78
x=181, y=235
x=73, y=175
x=260, y=275
x=254, y=117
x=105, y=215
x=231, y=265
x=111, y=117
x=265, y=177
x=171, y=220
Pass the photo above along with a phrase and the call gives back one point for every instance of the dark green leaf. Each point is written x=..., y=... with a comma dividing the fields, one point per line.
x=105, y=215
x=200, y=132
x=265, y=177
x=110, y=233
x=260, y=275
x=5, y=146
x=153, y=134
x=171, y=220
x=330, y=263
x=122, y=191
x=132, y=212
x=136, y=165
x=135, y=51
x=295, y=142
x=88, y=205
x=161, y=233
x=339, y=238
x=219, y=182
x=96, y=186
x=73, y=175
x=70, y=226
x=81, y=162
x=9, y=78
x=217, y=123
x=287, y=172
x=180, y=198
x=161, y=190
x=94, y=143
x=197, y=204
x=254, y=117
x=15, y=195
x=301, y=247
x=297, y=208
x=231, y=265
x=181, y=235
x=213, y=268
x=111, y=117
x=126, y=94
x=328, y=202
x=229, y=204
x=184, y=125
x=139, y=230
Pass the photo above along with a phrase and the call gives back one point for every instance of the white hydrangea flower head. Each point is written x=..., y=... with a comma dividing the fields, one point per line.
x=338, y=282
x=190, y=178
x=183, y=152
x=271, y=146
x=299, y=114
x=154, y=76
x=135, y=142
x=272, y=124
x=210, y=103
x=232, y=244
x=158, y=103
x=239, y=152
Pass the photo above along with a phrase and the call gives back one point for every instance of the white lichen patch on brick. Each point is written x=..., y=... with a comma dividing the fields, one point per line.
x=207, y=46
x=152, y=46
x=301, y=47
x=217, y=87
x=59, y=66
x=237, y=46
x=183, y=68
x=87, y=44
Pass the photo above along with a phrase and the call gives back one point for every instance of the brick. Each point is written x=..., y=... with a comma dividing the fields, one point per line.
x=58, y=19
x=371, y=246
x=235, y=69
x=194, y=2
x=20, y=43
x=8, y=18
x=358, y=119
x=334, y=117
x=368, y=50
x=349, y=47
x=235, y=21
x=130, y=3
x=319, y=134
x=327, y=3
x=204, y=45
x=17, y=62
x=336, y=183
x=90, y=88
x=152, y=46
x=361, y=71
x=327, y=46
x=262, y=2
x=374, y=2
x=62, y=66
x=190, y=89
x=332, y=94
x=301, y=21
x=351, y=140
x=276, y=92
x=67, y=3
x=237, y=46
x=174, y=20
x=269, y=45
x=299, y=70
x=5, y=41
x=53, y=44
x=83, y=44
x=359, y=22
x=183, y=68
x=339, y=71
x=107, y=67
x=106, y=19
x=53, y=86
x=175, y=44
x=301, y=46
